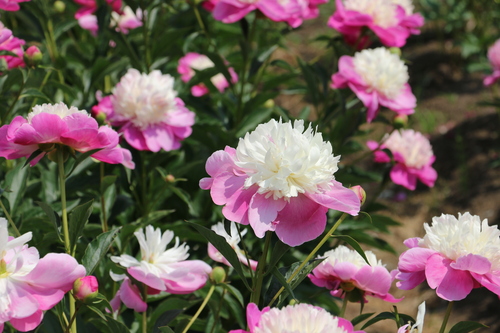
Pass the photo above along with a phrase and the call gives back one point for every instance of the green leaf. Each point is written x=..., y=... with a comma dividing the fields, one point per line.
x=15, y=185
x=388, y=315
x=235, y=292
x=32, y=156
x=282, y=280
x=115, y=326
x=78, y=218
x=35, y=93
x=97, y=249
x=106, y=182
x=279, y=249
x=97, y=311
x=52, y=215
x=360, y=318
x=466, y=326
x=8, y=53
x=81, y=157
x=351, y=241
x=166, y=329
x=15, y=76
x=164, y=319
x=223, y=247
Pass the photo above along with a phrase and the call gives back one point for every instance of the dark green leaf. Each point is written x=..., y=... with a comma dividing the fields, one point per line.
x=164, y=319
x=97, y=311
x=15, y=185
x=388, y=315
x=166, y=329
x=281, y=279
x=361, y=317
x=35, y=93
x=235, y=292
x=15, y=76
x=81, y=157
x=52, y=215
x=77, y=221
x=279, y=250
x=97, y=249
x=106, y=182
x=32, y=156
x=466, y=326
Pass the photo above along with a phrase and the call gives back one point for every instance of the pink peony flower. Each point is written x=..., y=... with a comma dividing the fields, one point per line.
x=232, y=239
x=279, y=178
x=308, y=9
x=49, y=126
x=345, y=270
x=85, y=14
x=454, y=256
x=494, y=58
x=195, y=61
x=29, y=285
x=11, y=44
x=413, y=158
x=85, y=288
x=392, y=21
x=378, y=78
x=148, y=111
x=298, y=318
x=159, y=269
x=89, y=22
x=126, y=20
x=11, y=5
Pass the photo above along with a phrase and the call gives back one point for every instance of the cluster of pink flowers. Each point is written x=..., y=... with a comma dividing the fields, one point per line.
x=494, y=58
x=12, y=44
x=11, y=5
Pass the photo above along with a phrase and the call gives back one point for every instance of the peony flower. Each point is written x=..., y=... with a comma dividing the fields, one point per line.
x=89, y=22
x=195, y=61
x=279, y=178
x=48, y=127
x=85, y=288
x=29, y=285
x=378, y=78
x=85, y=14
x=232, y=239
x=454, y=256
x=494, y=58
x=126, y=20
x=11, y=5
x=413, y=158
x=11, y=44
x=148, y=111
x=298, y=318
x=393, y=21
x=419, y=325
x=345, y=270
x=159, y=269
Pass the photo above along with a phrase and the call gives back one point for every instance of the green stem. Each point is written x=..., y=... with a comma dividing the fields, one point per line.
x=202, y=25
x=145, y=33
x=344, y=305
x=257, y=290
x=310, y=256
x=145, y=322
x=245, y=250
x=9, y=218
x=446, y=317
x=202, y=306
x=104, y=221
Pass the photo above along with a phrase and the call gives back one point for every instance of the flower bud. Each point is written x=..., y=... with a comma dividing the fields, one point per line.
x=59, y=6
x=85, y=288
x=33, y=56
x=101, y=118
x=170, y=178
x=218, y=275
x=269, y=104
x=395, y=50
x=400, y=121
x=360, y=192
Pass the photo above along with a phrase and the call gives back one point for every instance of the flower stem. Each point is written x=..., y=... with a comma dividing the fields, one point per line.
x=446, y=317
x=257, y=290
x=344, y=305
x=104, y=221
x=202, y=306
x=245, y=249
x=310, y=256
x=9, y=218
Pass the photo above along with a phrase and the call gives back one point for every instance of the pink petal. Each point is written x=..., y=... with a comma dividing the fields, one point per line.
x=374, y=279
x=27, y=323
x=231, y=12
x=472, y=263
x=262, y=212
x=400, y=175
x=436, y=269
x=186, y=277
x=455, y=285
x=414, y=259
x=131, y=297
x=147, y=278
x=338, y=198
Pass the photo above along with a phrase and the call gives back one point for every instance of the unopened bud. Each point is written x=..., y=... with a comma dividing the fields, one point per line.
x=33, y=56
x=400, y=121
x=218, y=275
x=85, y=288
x=293, y=302
x=360, y=192
x=395, y=50
x=170, y=178
x=101, y=118
x=269, y=104
x=59, y=7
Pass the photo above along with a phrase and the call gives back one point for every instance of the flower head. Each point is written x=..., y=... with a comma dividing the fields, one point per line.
x=344, y=270
x=494, y=58
x=11, y=5
x=378, y=78
x=279, y=178
x=454, y=256
x=412, y=154
x=12, y=44
x=49, y=127
x=29, y=285
x=299, y=318
x=126, y=20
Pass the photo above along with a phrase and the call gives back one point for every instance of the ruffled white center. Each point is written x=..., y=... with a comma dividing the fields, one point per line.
x=59, y=109
x=144, y=99
x=413, y=147
x=381, y=70
x=233, y=239
x=299, y=318
x=285, y=160
x=454, y=237
x=343, y=254
x=406, y=4
x=383, y=12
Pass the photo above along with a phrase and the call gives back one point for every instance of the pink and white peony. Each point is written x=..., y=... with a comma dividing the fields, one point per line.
x=126, y=20
x=11, y=5
x=159, y=268
x=455, y=256
x=49, y=127
x=378, y=78
x=279, y=178
x=494, y=58
x=344, y=270
x=194, y=61
x=233, y=240
x=30, y=285
x=148, y=111
x=413, y=157
x=298, y=318
x=393, y=21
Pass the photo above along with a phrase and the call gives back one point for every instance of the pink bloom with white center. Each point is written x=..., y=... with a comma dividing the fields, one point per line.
x=195, y=61
x=11, y=5
x=494, y=58
x=393, y=21
x=159, y=268
x=233, y=240
x=298, y=318
x=48, y=126
x=378, y=78
x=419, y=324
x=455, y=256
x=29, y=285
x=12, y=44
x=126, y=20
x=345, y=270
x=413, y=157
x=279, y=178
x=148, y=111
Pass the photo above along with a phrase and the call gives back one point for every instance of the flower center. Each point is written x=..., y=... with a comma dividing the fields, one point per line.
x=454, y=237
x=59, y=109
x=383, y=12
x=382, y=71
x=285, y=161
x=413, y=146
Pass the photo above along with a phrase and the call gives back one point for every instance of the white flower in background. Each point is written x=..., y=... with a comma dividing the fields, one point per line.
x=414, y=148
x=419, y=324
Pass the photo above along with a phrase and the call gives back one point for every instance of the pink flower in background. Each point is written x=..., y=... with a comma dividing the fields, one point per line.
x=195, y=61
x=308, y=9
x=29, y=285
x=298, y=318
x=209, y=5
x=160, y=269
x=48, y=126
x=345, y=270
x=148, y=111
x=11, y=44
x=455, y=256
x=89, y=22
x=393, y=21
x=11, y=5
x=129, y=294
x=378, y=78
x=413, y=157
x=126, y=20
x=279, y=178
x=494, y=58
x=233, y=240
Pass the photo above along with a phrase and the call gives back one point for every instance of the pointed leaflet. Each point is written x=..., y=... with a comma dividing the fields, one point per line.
x=97, y=249
x=78, y=218
x=466, y=326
